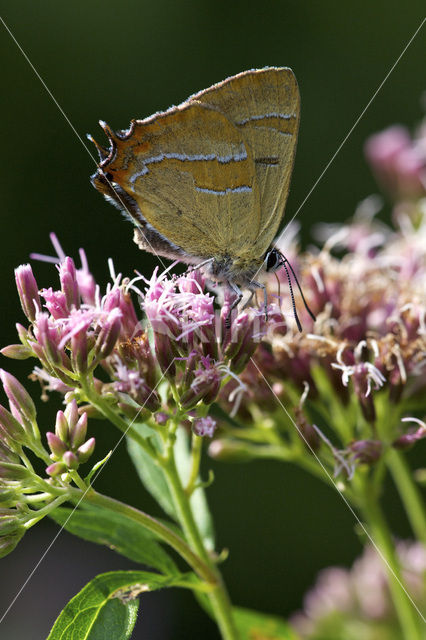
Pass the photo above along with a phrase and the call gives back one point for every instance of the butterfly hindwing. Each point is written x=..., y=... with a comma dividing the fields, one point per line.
x=265, y=105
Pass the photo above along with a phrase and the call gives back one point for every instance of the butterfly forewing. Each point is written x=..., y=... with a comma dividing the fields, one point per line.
x=192, y=176
x=265, y=105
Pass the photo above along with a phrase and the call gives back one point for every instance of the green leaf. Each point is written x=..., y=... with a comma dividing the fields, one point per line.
x=198, y=499
x=150, y=473
x=154, y=479
x=116, y=531
x=253, y=625
x=106, y=607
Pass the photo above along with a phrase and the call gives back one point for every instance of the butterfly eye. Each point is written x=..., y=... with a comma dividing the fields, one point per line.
x=273, y=260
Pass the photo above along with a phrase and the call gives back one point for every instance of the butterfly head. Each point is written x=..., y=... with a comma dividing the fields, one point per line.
x=274, y=259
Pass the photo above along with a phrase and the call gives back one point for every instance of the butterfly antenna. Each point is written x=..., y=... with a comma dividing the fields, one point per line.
x=284, y=263
x=278, y=287
x=293, y=303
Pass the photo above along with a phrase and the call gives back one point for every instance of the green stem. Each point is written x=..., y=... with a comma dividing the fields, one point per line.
x=148, y=522
x=409, y=492
x=44, y=511
x=218, y=596
x=408, y=615
x=197, y=443
x=78, y=481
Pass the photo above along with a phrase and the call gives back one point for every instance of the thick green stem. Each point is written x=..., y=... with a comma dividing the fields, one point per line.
x=218, y=596
x=146, y=521
x=197, y=443
x=409, y=493
x=409, y=616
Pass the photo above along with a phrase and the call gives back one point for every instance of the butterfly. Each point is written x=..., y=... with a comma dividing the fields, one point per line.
x=206, y=182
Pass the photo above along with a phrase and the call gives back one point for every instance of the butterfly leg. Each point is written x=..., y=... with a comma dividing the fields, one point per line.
x=259, y=285
x=249, y=299
x=235, y=303
x=194, y=267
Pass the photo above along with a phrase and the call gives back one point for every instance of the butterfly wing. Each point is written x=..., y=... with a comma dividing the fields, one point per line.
x=265, y=106
x=191, y=174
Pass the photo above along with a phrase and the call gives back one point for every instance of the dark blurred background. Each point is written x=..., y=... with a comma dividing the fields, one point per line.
x=123, y=60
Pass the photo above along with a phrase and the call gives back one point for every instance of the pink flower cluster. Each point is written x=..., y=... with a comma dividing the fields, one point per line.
x=399, y=161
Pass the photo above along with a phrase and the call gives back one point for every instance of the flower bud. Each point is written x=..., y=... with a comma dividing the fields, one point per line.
x=11, y=430
x=28, y=291
x=11, y=471
x=56, y=445
x=161, y=418
x=6, y=453
x=148, y=398
x=85, y=450
x=407, y=440
x=61, y=426
x=56, y=303
x=109, y=334
x=9, y=525
x=9, y=497
x=56, y=469
x=8, y=543
x=306, y=430
x=18, y=396
x=70, y=460
x=205, y=384
x=16, y=352
x=48, y=338
x=204, y=426
x=72, y=414
x=366, y=451
x=69, y=285
x=79, y=351
x=230, y=451
x=243, y=339
x=118, y=299
x=165, y=354
x=86, y=282
x=78, y=432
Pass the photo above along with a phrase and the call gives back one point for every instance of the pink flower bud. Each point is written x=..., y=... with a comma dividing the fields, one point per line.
x=56, y=445
x=204, y=426
x=70, y=460
x=366, y=451
x=56, y=469
x=72, y=414
x=10, y=429
x=18, y=396
x=48, y=338
x=86, y=284
x=119, y=299
x=79, y=351
x=28, y=291
x=85, y=450
x=56, y=303
x=161, y=418
x=109, y=333
x=61, y=427
x=69, y=285
x=78, y=432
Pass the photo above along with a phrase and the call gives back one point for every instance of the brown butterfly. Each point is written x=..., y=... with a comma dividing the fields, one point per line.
x=206, y=182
